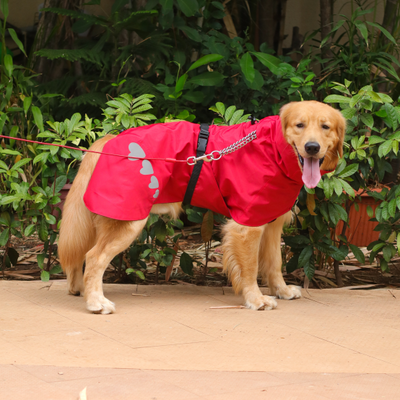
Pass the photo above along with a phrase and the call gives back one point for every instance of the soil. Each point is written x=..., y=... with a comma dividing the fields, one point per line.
x=353, y=274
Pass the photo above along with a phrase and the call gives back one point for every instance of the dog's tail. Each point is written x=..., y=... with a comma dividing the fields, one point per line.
x=77, y=231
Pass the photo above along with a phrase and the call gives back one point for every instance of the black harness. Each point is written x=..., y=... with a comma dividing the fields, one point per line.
x=201, y=150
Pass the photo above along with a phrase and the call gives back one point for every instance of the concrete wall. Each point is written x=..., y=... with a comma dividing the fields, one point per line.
x=24, y=13
x=305, y=15
x=301, y=13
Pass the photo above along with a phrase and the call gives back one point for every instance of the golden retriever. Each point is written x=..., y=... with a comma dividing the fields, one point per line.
x=314, y=130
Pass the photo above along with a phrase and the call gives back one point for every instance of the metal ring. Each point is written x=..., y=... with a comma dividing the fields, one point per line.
x=191, y=162
x=211, y=155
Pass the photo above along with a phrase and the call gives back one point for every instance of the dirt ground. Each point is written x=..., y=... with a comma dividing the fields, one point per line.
x=353, y=274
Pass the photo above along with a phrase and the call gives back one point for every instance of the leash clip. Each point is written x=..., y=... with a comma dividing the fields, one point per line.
x=213, y=156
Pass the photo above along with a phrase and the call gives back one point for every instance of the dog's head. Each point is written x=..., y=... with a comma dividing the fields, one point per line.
x=316, y=132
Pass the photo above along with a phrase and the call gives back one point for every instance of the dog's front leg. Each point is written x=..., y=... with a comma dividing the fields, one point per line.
x=241, y=248
x=112, y=237
x=270, y=260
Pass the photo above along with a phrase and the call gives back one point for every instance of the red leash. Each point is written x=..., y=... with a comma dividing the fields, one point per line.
x=92, y=151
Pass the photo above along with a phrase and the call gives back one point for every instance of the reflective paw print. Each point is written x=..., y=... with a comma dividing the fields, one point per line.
x=147, y=169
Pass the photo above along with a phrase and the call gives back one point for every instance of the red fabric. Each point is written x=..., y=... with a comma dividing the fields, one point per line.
x=254, y=185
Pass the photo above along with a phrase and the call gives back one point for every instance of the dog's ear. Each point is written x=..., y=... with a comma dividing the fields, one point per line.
x=284, y=114
x=340, y=129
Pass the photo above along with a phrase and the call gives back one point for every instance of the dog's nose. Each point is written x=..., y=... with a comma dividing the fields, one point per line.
x=312, y=148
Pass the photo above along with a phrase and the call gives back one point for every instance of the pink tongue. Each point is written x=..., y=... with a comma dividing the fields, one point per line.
x=311, y=172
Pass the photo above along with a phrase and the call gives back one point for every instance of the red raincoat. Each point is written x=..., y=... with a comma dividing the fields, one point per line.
x=253, y=185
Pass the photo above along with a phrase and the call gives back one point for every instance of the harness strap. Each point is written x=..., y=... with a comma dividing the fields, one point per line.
x=201, y=149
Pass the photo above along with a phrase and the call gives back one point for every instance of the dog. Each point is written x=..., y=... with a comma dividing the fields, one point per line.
x=255, y=178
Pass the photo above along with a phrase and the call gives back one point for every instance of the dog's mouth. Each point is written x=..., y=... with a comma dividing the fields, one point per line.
x=301, y=159
x=311, y=169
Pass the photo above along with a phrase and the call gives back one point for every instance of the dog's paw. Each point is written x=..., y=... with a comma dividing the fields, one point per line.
x=260, y=302
x=101, y=306
x=288, y=292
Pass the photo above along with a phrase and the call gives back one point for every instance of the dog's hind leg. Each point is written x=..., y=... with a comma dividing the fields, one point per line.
x=270, y=260
x=112, y=237
x=77, y=236
x=241, y=248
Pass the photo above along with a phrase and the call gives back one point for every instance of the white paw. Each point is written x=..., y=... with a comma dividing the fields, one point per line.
x=260, y=302
x=288, y=292
x=100, y=306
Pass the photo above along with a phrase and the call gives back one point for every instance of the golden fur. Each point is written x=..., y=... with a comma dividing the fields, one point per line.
x=248, y=252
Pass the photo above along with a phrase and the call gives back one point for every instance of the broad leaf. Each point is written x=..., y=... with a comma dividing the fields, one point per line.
x=357, y=253
x=186, y=264
x=247, y=66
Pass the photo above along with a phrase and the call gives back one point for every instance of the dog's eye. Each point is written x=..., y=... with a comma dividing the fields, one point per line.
x=325, y=127
x=300, y=125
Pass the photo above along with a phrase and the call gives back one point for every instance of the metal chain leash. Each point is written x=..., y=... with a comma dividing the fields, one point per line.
x=217, y=154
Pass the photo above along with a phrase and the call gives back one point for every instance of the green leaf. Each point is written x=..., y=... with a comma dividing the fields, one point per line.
x=29, y=230
x=385, y=98
x=209, y=58
x=43, y=231
x=4, y=8
x=145, y=253
x=341, y=211
x=4, y=237
x=269, y=61
x=41, y=157
x=160, y=230
x=40, y=260
x=208, y=79
x=16, y=40
x=180, y=83
x=387, y=253
x=349, y=170
x=370, y=212
x=333, y=213
x=3, y=119
x=186, y=264
x=392, y=207
x=385, y=148
x=305, y=256
x=391, y=115
x=188, y=7
x=140, y=274
x=398, y=243
x=336, y=98
x=236, y=117
x=363, y=29
x=27, y=104
x=247, y=66
x=56, y=270
x=220, y=108
x=347, y=188
x=166, y=5
x=367, y=119
x=229, y=113
x=349, y=113
x=384, y=31
x=8, y=65
x=45, y=276
x=357, y=253
x=191, y=33
x=377, y=247
x=328, y=188
x=375, y=139
x=337, y=184
x=38, y=118
x=309, y=268
x=20, y=163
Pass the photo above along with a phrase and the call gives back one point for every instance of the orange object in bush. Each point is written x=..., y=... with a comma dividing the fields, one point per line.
x=360, y=231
